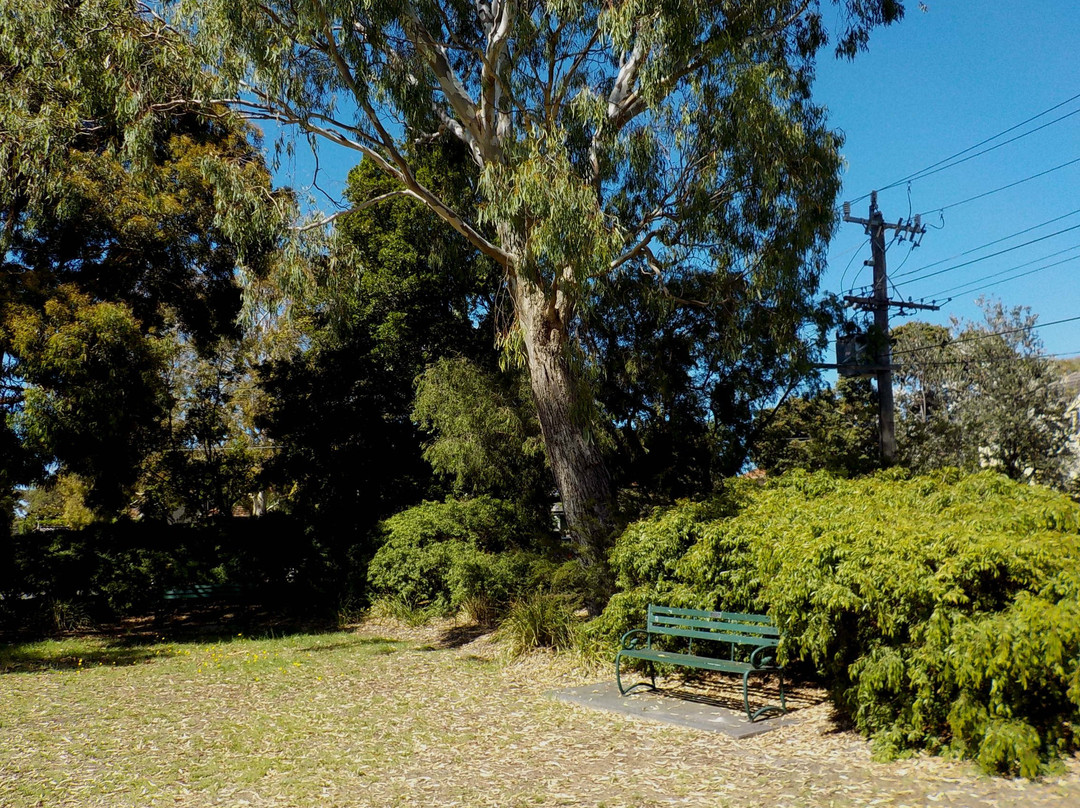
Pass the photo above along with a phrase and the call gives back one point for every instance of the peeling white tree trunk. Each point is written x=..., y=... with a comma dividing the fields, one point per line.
x=580, y=472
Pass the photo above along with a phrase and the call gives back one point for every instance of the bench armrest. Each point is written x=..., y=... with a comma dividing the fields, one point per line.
x=764, y=657
x=632, y=638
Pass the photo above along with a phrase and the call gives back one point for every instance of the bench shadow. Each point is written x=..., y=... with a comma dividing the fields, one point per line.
x=726, y=692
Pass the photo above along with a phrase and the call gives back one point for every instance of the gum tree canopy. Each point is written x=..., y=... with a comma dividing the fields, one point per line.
x=624, y=136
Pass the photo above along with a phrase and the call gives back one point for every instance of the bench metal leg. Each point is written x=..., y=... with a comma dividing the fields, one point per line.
x=771, y=708
x=618, y=677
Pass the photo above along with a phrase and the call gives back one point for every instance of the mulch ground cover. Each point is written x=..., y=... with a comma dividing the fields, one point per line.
x=387, y=715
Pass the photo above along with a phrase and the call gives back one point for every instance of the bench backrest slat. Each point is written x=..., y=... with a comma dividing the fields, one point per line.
x=725, y=624
x=748, y=629
x=676, y=611
x=711, y=636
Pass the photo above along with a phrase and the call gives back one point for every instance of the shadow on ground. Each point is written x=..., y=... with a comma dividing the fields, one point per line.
x=710, y=703
x=726, y=692
x=138, y=640
x=458, y=636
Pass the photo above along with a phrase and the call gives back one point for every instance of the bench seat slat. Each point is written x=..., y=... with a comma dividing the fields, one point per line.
x=697, y=634
x=202, y=592
x=691, y=661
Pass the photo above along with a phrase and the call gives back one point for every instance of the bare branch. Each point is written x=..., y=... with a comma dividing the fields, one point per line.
x=657, y=271
x=355, y=209
x=568, y=76
x=492, y=66
x=457, y=96
x=625, y=79
x=635, y=251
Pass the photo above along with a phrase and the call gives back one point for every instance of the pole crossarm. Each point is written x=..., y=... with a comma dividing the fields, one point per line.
x=871, y=303
x=912, y=227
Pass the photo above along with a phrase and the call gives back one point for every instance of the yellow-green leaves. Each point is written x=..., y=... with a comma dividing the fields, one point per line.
x=941, y=609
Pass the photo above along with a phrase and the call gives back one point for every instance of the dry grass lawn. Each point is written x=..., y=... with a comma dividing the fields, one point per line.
x=386, y=715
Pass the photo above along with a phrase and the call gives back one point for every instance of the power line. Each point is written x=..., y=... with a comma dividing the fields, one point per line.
x=1002, y=188
x=927, y=173
x=855, y=252
x=978, y=337
x=997, y=360
x=1013, y=269
x=922, y=171
x=988, y=244
x=994, y=255
x=910, y=252
x=1016, y=277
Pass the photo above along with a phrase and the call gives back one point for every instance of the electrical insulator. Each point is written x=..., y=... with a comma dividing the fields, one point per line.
x=847, y=209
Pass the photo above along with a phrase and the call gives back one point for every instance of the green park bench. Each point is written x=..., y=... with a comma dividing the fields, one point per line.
x=740, y=632
x=204, y=592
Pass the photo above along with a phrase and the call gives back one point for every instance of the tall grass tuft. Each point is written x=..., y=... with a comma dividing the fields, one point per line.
x=397, y=609
x=540, y=620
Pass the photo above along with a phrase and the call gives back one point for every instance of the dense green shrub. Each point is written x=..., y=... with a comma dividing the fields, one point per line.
x=440, y=555
x=102, y=570
x=942, y=610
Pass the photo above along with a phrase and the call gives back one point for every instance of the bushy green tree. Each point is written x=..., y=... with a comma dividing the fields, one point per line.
x=211, y=451
x=981, y=395
x=484, y=435
x=112, y=180
x=834, y=430
x=118, y=205
x=95, y=396
x=683, y=385
x=392, y=294
x=346, y=452
x=61, y=503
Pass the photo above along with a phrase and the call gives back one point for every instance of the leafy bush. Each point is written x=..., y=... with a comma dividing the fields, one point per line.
x=102, y=570
x=943, y=610
x=441, y=555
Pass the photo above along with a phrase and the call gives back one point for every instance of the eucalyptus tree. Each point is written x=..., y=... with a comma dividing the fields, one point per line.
x=611, y=137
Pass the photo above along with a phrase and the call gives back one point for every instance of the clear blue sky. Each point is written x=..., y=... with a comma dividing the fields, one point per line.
x=934, y=85
x=941, y=81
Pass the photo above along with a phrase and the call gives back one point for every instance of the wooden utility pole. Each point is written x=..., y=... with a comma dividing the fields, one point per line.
x=879, y=303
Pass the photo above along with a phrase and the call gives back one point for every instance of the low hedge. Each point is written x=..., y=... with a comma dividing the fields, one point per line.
x=943, y=610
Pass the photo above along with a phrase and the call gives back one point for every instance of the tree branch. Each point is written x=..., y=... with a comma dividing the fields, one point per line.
x=492, y=65
x=435, y=55
x=356, y=209
x=631, y=104
x=657, y=272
